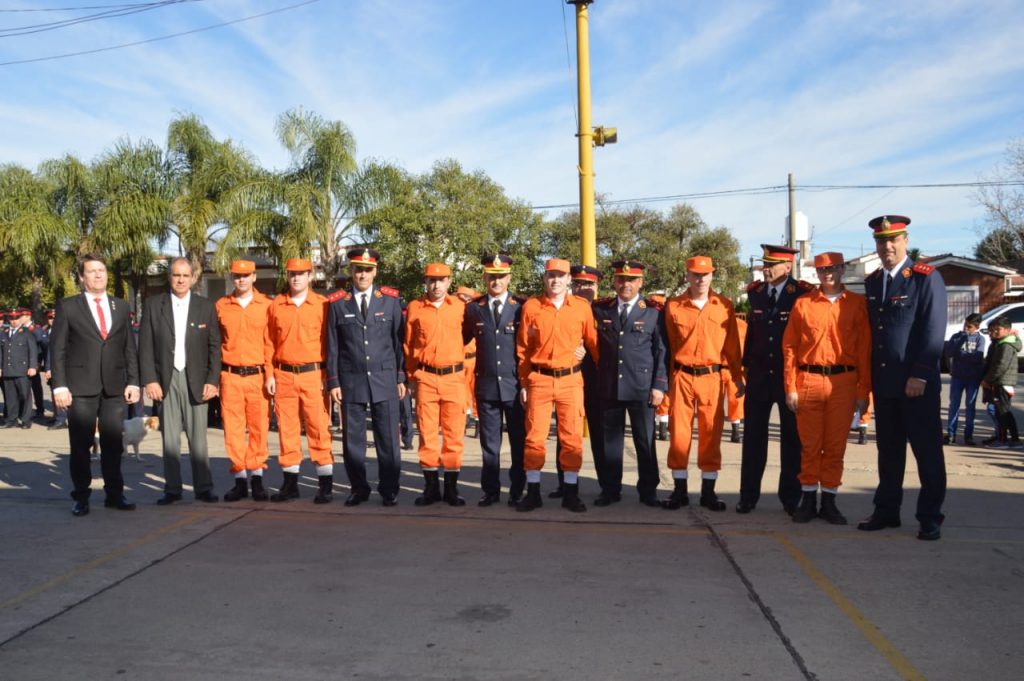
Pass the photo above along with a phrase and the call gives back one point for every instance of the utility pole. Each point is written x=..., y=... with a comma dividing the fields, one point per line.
x=588, y=136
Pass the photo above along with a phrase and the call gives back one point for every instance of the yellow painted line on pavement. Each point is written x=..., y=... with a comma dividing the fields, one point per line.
x=895, y=658
x=100, y=560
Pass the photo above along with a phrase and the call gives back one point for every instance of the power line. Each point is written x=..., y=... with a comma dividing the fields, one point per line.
x=73, y=9
x=159, y=38
x=108, y=14
x=777, y=189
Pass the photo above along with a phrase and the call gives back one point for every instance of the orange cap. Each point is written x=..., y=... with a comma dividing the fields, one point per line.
x=243, y=267
x=437, y=269
x=299, y=265
x=701, y=264
x=557, y=265
x=828, y=259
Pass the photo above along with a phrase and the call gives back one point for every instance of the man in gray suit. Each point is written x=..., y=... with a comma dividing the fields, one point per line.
x=179, y=360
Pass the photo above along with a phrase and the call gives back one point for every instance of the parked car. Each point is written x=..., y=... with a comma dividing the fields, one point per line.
x=1015, y=311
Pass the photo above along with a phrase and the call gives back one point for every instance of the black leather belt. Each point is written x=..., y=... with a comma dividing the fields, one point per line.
x=826, y=370
x=442, y=371
x=470, y=355
x=558, y=373
x=299, y=368
x=698, y=371
x=242, y=371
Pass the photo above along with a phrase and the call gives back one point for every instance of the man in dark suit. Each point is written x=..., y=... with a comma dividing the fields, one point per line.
x=179, y=355
x=493, y=320
x=770, y=303
x=632, y=378
x=366, y=374
x=19, y=361
x=94, y=372
x=907, y=309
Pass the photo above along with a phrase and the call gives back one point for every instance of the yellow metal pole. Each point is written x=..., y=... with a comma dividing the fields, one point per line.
x=588, y=236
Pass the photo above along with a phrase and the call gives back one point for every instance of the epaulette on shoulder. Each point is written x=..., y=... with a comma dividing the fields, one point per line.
x=340, y=294
x=805, y=285
x=754, y=286
x=606, y=302
x=388, y=291
x=517, y=300
x=657, y=305
x=923, y=268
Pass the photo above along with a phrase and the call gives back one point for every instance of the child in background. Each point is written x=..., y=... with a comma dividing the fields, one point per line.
x=965, y=351
x=999, y=383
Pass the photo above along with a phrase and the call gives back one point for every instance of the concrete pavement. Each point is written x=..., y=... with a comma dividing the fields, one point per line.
x=268, y=591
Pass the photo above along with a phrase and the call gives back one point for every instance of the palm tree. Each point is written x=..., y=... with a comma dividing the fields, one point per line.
x=203, y=171
x=75, y=198
x=32, y=235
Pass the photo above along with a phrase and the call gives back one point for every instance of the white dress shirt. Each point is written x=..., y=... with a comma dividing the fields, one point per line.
x=179, y=307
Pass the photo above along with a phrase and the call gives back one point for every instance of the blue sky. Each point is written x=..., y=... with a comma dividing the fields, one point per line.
x=707, y=96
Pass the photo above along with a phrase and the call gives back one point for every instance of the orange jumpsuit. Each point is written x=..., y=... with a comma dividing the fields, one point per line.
x=699, y=340
x=244, y=403
x=296, y=338
x=734, y=404
x=433, y=349
x=547, y=340
x=820, y=334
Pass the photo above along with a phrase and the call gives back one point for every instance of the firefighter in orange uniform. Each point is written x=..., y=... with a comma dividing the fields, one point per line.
x=434, y=369
x=733, y=402
x=468, y=295
x=244, y=403
x=826, y=353
x=702, y=338
x=553, y=326
x=295, y=349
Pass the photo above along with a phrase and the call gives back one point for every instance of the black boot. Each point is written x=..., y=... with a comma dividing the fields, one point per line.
x=239, y=491
x=451, y=489
x=808, y=508
x=258, y=493
x=661, y=430
x=829, y=513
x=531, y=499
x=572, y=500
x=289, y=488
x=708, y=498
x=431, y=489
x=679, y=497
x=325, y=491
x=560, y=490
x=735, y=436
x=862, y=435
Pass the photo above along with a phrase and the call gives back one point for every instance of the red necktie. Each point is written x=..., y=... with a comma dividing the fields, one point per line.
x=103, y=320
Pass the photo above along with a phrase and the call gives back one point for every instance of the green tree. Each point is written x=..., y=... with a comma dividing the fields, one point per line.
x=451, y=216
x=75, y=198
x=32, y=235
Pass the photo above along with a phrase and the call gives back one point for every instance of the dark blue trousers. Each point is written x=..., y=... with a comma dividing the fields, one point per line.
x=490, y=414
x=385, y=437
x=756, y=414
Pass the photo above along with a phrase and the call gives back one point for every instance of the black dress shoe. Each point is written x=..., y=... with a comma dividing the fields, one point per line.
x=604, y=499
x=557, y=494
x=389, y=499
x=790, y=509
x=876, y=522
x=745, y=507
x=356, y=498
x=513, y=500
x=489, y=500
x=120, y=503
x=651, y=500
x=168, y=499
x=207, y=497
x=929, y=531
x=80, y=508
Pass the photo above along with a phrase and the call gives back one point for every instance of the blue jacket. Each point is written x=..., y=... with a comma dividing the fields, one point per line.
x=633, y=359
x=908, y=327
x=966, y=355
x=497, y=378
x=365, y=359
x=762, y=349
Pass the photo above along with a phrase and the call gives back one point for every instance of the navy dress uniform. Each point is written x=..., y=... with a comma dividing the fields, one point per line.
x=42, y=336
x=907, y=311
x=366, y=360
x=497, y=383
x=18, y=355
x=770, y=306
x=633, y=361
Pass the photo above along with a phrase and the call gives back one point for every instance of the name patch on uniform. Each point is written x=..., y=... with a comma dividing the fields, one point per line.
x=350, y=315
x=638, y=325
